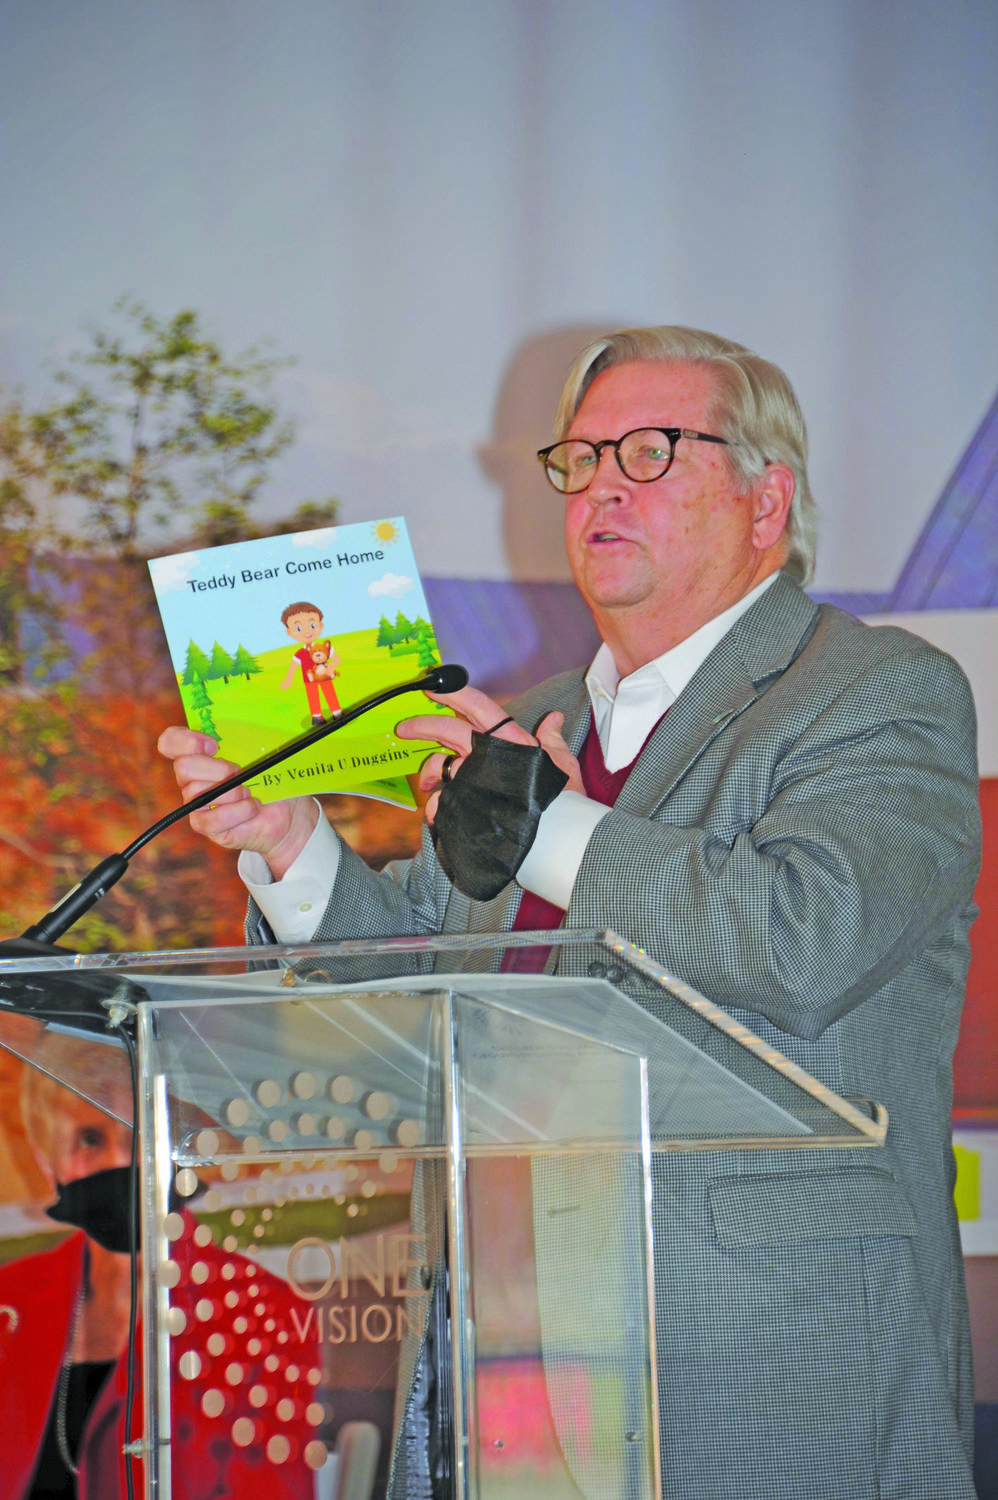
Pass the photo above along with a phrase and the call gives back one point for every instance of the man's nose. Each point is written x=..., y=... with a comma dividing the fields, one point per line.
x=609, y=481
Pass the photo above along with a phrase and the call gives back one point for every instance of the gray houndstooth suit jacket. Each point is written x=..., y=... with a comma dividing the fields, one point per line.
x=799, y=839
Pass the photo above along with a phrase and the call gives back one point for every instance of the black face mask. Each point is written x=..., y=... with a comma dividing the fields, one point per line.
x=487, y=816
x=98, y=1205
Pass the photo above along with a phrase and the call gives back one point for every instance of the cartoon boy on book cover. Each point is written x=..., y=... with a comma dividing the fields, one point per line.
x=315, y=658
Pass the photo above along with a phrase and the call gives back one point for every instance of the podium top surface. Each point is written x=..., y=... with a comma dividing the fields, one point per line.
x=563, y=1055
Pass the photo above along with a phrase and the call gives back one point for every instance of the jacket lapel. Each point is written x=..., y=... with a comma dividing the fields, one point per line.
x=574, y=704
x=756, y=650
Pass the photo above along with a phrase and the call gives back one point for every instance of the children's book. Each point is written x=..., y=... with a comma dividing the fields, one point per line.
x=271, y=637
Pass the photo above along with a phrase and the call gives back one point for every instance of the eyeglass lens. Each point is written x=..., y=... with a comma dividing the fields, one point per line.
x=643, y=456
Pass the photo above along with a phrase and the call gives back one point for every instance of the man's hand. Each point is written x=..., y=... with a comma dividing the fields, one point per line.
x=277, y=830
x=476, y=711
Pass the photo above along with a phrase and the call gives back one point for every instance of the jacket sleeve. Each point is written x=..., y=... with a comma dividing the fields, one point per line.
x=406, y=899
x=866, y=849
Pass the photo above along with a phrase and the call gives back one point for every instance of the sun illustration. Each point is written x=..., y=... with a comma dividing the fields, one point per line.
x=385, y=531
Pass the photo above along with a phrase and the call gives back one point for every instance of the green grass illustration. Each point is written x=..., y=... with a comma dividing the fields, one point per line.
x=255, y=715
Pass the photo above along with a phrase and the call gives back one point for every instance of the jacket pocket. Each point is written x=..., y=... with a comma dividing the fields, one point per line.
x=774, y=1210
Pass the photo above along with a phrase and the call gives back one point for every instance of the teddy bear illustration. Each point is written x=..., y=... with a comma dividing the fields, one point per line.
x=324, y=661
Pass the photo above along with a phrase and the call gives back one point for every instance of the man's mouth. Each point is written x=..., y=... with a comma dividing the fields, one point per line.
x=606, y=536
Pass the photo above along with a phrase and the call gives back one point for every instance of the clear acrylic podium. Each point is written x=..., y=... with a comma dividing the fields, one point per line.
x=397, y=1210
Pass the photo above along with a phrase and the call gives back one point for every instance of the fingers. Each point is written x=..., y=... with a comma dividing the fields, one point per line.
x=220, y=820
x=195, y=762
x=431, y=771
x=549, y=730
x=481, y=712
x=475, y=711
x=196, y=773
x=179, y=741
x=237, y=820
x=454, y=733
x=197, y=769
x=430, y=810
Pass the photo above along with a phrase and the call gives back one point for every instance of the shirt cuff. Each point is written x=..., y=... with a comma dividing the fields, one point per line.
x=563, y=835
x=294, y=906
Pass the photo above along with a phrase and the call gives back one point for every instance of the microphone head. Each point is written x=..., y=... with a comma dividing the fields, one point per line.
x=449, y=678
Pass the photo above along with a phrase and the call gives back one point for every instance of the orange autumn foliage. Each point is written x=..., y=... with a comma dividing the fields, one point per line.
x=80, y=778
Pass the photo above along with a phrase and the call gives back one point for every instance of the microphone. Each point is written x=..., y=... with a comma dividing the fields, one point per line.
x=447, y=678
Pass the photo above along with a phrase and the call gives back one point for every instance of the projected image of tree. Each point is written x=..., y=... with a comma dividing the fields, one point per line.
x=154, y=437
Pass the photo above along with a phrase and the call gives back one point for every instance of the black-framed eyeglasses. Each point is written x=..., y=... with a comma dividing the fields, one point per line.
x=643, y=455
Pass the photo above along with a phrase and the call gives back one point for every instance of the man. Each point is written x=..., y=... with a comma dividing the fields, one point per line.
x=779, y=803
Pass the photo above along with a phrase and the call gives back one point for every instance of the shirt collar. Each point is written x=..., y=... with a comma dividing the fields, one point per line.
x=669, y=673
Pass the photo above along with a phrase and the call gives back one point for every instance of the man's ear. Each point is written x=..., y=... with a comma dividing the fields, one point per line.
x=773, y=498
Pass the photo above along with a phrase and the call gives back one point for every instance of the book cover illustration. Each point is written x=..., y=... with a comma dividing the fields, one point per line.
x=273, y=636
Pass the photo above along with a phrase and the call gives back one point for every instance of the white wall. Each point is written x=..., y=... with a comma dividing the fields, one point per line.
x=430, y=205
x=970, y=636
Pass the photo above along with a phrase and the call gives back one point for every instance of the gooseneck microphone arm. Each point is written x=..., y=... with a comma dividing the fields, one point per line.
x=449, y=678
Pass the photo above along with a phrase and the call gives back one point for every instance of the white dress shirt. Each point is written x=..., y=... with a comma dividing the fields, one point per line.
x=625, y=711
